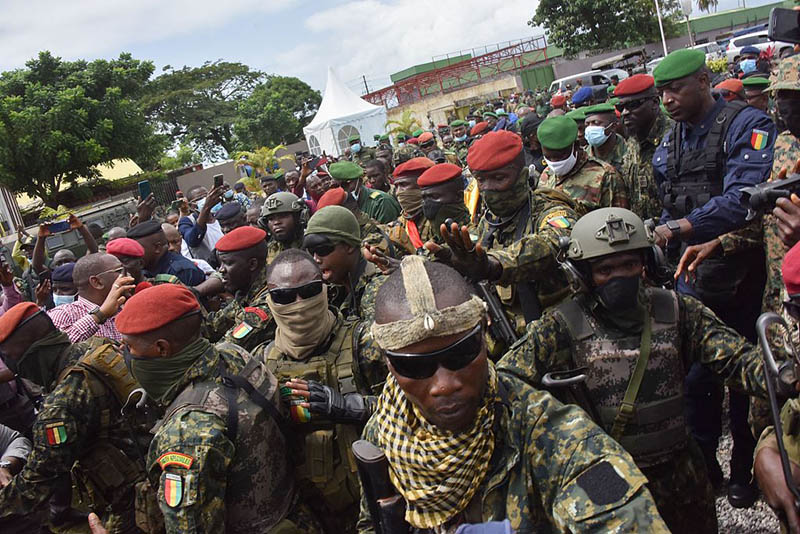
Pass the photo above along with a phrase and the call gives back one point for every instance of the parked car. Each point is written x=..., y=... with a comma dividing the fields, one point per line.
x=712, y=50
x=760, y=40
x=590, y=78
x=653, y=63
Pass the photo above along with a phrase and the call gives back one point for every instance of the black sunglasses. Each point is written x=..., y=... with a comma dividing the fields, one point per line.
x=454, y=357
x=631, y=104
x=287, y=295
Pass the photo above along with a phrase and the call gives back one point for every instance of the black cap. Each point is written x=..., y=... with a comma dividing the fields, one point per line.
x=228, y=211
x=530, y=123
x=144, y=229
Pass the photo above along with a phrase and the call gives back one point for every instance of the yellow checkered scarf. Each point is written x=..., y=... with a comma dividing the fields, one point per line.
x=438, y=472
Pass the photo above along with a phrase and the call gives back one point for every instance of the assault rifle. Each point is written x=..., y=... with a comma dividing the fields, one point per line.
x=500, y=327
x=762, y=197
x=386, y=506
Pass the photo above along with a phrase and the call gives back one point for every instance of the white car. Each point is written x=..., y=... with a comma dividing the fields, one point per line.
x=712, y=50
x=760, y=40
x=652, y=64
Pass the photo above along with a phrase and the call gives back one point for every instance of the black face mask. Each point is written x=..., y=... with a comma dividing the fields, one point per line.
x=619, y=294
x=789, y=111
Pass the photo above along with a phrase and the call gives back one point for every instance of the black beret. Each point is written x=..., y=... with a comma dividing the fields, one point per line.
x=144, y=229
x=228, y=210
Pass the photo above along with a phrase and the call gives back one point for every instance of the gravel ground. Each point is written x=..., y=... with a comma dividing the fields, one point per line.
x=758, y=519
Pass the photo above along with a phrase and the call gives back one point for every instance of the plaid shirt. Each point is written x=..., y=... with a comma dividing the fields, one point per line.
x=75, y=321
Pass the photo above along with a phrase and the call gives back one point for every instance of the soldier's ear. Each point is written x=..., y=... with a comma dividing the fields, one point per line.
x=164, y=348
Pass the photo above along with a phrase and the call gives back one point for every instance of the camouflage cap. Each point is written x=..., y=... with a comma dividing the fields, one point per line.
x=788, y=75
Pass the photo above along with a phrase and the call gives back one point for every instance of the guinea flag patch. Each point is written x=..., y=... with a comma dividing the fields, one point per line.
x=173, y=489
x=56, y=433
x=242, y=330
x=556, y=219
x=758, y=139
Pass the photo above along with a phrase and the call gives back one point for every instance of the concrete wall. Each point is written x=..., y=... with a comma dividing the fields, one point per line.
x=205, y=177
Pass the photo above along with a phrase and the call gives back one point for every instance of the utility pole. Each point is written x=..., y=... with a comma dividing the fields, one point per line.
x=661, y=29
x=366, y=87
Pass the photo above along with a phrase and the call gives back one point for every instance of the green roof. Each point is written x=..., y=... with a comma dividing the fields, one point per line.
x=426, y=67
x=727, y=20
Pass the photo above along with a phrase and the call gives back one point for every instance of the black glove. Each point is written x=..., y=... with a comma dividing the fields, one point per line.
x=338, y=408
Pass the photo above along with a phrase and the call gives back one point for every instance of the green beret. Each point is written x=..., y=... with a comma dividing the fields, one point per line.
x=756, y=82
x=489, y=114
x=417, y=132
x=354, y=137
x=577, y=114
x=376, y=137
x=502, y=114
x=384, y=137
x=457, y=123
x=605, y=107
x=336, y=222
x=610, y=89
x=401, y=135
x=679, y=64
x=613, y=101
x=557, y=132
x=345, y=171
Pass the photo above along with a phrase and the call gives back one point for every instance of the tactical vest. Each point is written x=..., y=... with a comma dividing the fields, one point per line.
x=326, y=464
x=115, y=460
x=695, y=176
x=260, y=485
x=658, y=428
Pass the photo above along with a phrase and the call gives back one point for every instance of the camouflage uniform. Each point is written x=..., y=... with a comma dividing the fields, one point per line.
x=364, y=155
x=351, y=363
x=542, y=475
x=208, y=480
x=361, y=304
x=405, y=153
x=683, y=331
x=593, y=183
x=246, y=320
x=461, y=148
x=528, y=254
x=275, y=247
x=372, y=234
x=80, y=432
x=637, y=170
x=615, y=158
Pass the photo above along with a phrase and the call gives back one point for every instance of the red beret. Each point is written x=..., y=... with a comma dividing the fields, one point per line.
x=125, y=246
x=332, y=197
x=241, y=238
x=154, y=307
x=790, y=270
x=733, y=85
x=413, y=141
x=440, y=126
x=141, y=286
x=424, y=138
x=11, y=319
x=558, y=101
x=413, y=166
x=634, y=84
x=479, y=128
x=439, y=174
x=494, y=150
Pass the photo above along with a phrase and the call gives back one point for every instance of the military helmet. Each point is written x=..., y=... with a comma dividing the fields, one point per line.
x=787, y=76
x=607, y=231
x=282, y=202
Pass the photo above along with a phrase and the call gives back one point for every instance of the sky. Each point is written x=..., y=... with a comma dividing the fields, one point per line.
x=370, y=38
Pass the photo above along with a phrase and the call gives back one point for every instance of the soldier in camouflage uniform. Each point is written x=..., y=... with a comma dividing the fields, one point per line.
x=460, y=139
x=518, y=235
x=646, y=124
x=245, y=321
x=219, y=455
x=358, y=153
x=381, y=206
x=591, y=182
x=468, y=444
x=283, y=217
x=603, y=143
x=411, y=230
x=330, y=371
x=601, y=331
x=87, y=430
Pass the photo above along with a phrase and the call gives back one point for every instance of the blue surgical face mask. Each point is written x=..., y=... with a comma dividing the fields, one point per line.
x=461, y=138
x=472, y=123
x=58, y=300
x=229, y=194
x=355, y=149
x=747, y=65
x=596, y=135
x=201, y=203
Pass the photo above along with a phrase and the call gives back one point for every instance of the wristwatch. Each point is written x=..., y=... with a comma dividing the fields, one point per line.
x=98, y=315
x=674, y=227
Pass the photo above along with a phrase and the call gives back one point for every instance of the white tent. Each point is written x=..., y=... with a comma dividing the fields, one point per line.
x=342, y=114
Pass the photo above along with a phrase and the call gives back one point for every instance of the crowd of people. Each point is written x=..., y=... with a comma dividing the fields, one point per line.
x=521, y=321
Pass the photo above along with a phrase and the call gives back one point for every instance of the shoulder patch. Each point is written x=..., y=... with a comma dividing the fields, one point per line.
x=759, y=139
x=556, y=219
x=175, y=458
x=264, y=316
x=375, y=194
x=173, y=489
x=602, y=484
x=56, y=433
x=241, y=330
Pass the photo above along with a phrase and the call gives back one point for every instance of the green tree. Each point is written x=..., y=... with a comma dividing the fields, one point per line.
x=582, y=25
x=184, y=156
x=276, y=112
x=60, y=119
x=406, y=124
x=197, y=106
x=263, y=160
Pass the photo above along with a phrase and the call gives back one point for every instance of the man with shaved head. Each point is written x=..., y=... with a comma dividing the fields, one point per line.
x=467, y=444
x=102, y=289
